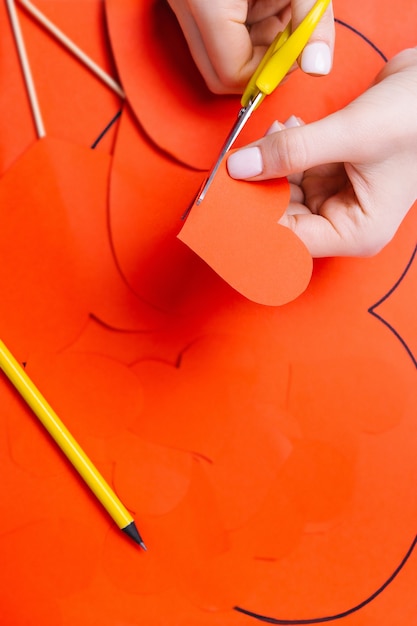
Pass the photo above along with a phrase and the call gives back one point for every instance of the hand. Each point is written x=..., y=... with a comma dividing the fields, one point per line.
x=354, y=173
x=228, y=38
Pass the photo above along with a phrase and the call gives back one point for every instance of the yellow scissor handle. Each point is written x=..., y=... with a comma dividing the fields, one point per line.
x=282, y=54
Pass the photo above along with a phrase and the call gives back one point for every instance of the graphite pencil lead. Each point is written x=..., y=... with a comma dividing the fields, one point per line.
x=132, y=531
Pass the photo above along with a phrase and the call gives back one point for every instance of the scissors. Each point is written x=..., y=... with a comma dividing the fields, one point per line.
x=274, y=66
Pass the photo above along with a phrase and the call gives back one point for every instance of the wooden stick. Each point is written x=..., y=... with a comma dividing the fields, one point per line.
x=27, y=73
x=73, y=48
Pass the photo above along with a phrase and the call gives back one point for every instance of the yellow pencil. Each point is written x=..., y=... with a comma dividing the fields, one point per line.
x=101, y=489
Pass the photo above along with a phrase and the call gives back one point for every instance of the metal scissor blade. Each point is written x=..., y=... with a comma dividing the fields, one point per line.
x=243, y=116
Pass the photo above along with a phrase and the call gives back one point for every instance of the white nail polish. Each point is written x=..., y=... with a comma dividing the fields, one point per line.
x=274, y=128
x=292, y=122
x=245, y=163
x=316, y=58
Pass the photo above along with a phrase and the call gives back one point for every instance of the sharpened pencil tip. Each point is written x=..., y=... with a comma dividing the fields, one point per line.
x=133, y=533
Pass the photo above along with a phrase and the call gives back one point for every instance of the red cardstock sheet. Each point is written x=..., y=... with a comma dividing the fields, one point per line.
x=235, y=231
x=252, y=408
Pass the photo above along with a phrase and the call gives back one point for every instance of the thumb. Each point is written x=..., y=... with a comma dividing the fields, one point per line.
x=289, y=151
x=317, y=56
x=338, y=138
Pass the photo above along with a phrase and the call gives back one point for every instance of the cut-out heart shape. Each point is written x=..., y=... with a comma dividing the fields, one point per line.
x=235, y=231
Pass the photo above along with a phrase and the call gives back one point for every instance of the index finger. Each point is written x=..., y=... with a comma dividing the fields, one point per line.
x=227, y=42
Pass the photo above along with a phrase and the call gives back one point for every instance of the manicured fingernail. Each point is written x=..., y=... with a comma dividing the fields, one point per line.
x=245, y=163
x=292, y=122
x=274, y=128
x=316, y=58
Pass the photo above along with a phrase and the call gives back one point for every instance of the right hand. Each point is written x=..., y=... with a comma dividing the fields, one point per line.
x=355, y=170
x=228, y=38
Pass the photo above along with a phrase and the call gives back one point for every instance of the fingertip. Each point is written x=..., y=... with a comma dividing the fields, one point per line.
x=274, y=128
x=317, y=234
x=316, y=58
x=245, y=163
x=293, y=122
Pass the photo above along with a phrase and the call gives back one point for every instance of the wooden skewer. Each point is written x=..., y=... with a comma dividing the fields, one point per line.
x=27, y=73
x=73, y=48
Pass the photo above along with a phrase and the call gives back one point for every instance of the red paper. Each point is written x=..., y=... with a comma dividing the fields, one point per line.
x=266, y=453
x=235, y=231
x=37, y=275
x=144, y=35
x=147, y=196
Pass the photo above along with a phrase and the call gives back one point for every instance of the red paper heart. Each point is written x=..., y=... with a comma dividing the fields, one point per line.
x=235, y=231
